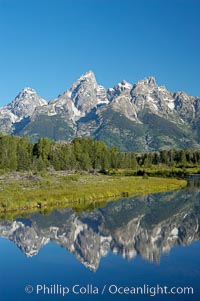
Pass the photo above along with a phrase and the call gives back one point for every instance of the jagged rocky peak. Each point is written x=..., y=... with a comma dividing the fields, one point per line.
x=181, y=95
x=142, y=93
x=25, y=103
x=86, y=98
x=89, y=75
x=151, y=81
x=87, y=79
x=185, y=105
x=146, y=94
x=63, y=105
x=26, y=91
x=29, y=92
x=87, y=94
x=121, y=88
x=146, y=83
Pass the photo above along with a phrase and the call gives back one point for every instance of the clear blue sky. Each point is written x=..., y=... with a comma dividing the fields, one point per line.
x=47, y=44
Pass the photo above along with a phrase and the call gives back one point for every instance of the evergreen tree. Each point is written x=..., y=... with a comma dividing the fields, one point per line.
x=42, y=150
x=134, y=163
x=8, y=152
x=24, y=154
x=114, y=161
x=183, y=160
x=148, y=160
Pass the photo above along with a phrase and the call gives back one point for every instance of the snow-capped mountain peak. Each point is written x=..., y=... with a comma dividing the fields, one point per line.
x=123, y=86
x=25, y=103
x=87, y=94
x=87, y=109
x=27, y=90
x=147, y=82
x=87, y=75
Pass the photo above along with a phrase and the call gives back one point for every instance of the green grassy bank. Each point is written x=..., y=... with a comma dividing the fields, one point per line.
x=24, y=192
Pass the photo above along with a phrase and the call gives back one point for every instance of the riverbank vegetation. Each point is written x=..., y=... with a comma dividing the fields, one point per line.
x=51, y=173
x=25, y=191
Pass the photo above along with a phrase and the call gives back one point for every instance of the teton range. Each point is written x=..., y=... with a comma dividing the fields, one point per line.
x=134, y=117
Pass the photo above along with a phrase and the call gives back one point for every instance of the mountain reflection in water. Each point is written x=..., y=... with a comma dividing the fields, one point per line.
x=145, y=225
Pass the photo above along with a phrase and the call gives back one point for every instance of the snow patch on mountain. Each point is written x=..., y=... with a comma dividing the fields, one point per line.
x=82, y=106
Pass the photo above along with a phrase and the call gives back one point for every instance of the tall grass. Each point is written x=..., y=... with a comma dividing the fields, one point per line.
x=21, y=194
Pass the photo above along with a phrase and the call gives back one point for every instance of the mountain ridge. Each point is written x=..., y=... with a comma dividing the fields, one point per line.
x=135, y=117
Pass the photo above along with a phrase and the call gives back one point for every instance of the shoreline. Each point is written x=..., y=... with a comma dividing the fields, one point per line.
x=23, y=192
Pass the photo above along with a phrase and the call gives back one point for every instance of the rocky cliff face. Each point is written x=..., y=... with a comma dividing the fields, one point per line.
x=148, y=226
x=139, y=117
x=20, y=109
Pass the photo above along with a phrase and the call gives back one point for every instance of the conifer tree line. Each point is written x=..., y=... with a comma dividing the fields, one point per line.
x=19, y=154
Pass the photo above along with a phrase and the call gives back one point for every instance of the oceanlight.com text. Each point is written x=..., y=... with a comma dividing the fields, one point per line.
x=109, y=289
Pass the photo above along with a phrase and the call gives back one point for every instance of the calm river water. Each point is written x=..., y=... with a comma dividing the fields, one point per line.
x=140, y=248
